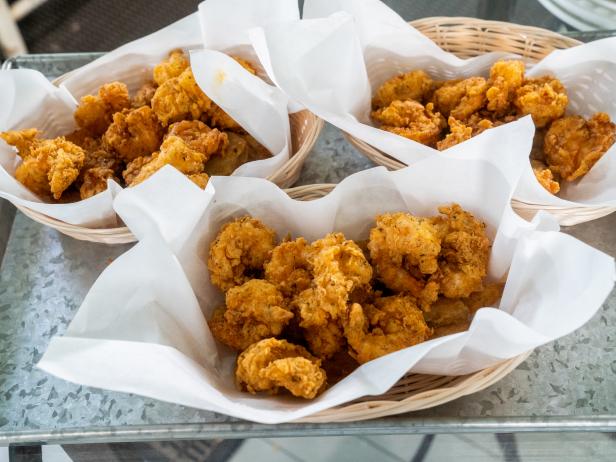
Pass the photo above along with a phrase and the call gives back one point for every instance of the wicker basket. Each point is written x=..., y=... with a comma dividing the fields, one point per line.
x=305, y=129
x=469, y=37
x=414, y=391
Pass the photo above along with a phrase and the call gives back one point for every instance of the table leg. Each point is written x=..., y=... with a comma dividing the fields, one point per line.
x=25, y=454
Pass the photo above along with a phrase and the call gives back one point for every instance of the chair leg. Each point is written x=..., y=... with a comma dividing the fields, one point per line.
x=11, y=41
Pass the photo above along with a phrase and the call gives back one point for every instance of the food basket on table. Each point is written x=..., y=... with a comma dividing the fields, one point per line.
x=470, y=37
x=305, y=129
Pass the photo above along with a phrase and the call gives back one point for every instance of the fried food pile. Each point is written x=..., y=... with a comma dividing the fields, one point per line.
x=442, y=114
x=303, y=315
x=168, y=121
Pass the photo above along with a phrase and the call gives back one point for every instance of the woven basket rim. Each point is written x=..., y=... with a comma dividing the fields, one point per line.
x=121, y=234
x=567, y=215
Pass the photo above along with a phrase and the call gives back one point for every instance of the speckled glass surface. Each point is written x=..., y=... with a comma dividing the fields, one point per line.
x=44, y=276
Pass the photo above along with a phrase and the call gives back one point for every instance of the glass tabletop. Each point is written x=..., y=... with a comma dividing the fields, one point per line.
x=568, y=385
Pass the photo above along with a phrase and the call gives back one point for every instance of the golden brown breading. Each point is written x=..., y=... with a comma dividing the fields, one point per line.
x=411, y=120
x=413, y=85
x=134, y=133
x=288, y=268
x=200, y=179
x=404, y=250
x=272, y=364
x=239, y=252
x=95, y=112
x=50, y=165
x=254, y=311
x=545, y=98
x=94, y=181
x=465, y=252
x=133, y=168
x=144, y=95
x=458, y=132
x=180, y=98
x=460, y=98
x=505, y=79
x=187, y=151
x=544, y=176
x=391, y=324
x=220, y=119
x=197, y=136
x=573, y=145
x=234, y=154
x=21, y=139
x=450, y=316
x=172, y=67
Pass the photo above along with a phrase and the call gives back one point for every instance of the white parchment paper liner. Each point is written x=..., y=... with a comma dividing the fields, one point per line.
x=343, y=50
x=29, y=100
x=142, y=327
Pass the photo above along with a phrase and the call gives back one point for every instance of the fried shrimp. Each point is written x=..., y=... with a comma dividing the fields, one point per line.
x=544, y=98
x=404, y=250
x=134, y=133
x=412, y=120
x=239, y=252
x=253, y=311
x=460, y=98
x=391, y=324
x=95, y=112
x=573, y=145
x=505, y=79
x=413, y=85
x=288, y=268
x=465, y=251
x=271, y=365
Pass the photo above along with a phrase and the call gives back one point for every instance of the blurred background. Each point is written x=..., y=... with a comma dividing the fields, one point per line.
x=55, y=26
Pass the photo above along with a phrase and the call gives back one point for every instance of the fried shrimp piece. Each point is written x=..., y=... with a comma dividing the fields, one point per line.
x=573, y=145
x=458, y=132
x=404, y=250
x=391, y=324
x=220, y=119
x=200, y=179
x=411, y=120
x=49, y=165
x=172, y=67
x=413, y=85
x=288, y=268
x=133, y=168
x=544, y=98
x=95, y=181
x=339, y=267
x=460, y=98
x=134, y=133
x=272, y=364
x=197, y=136
x=234, y=154
x=144, y=95
x=180, y=98
x=505, y=79
x=254, y=311
x=21, y=139
x=544, y=176
x=321, y=330
x=239, y=252
x=95, y=112
x=449, y=316
x=187, y=151
x=465, y=251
